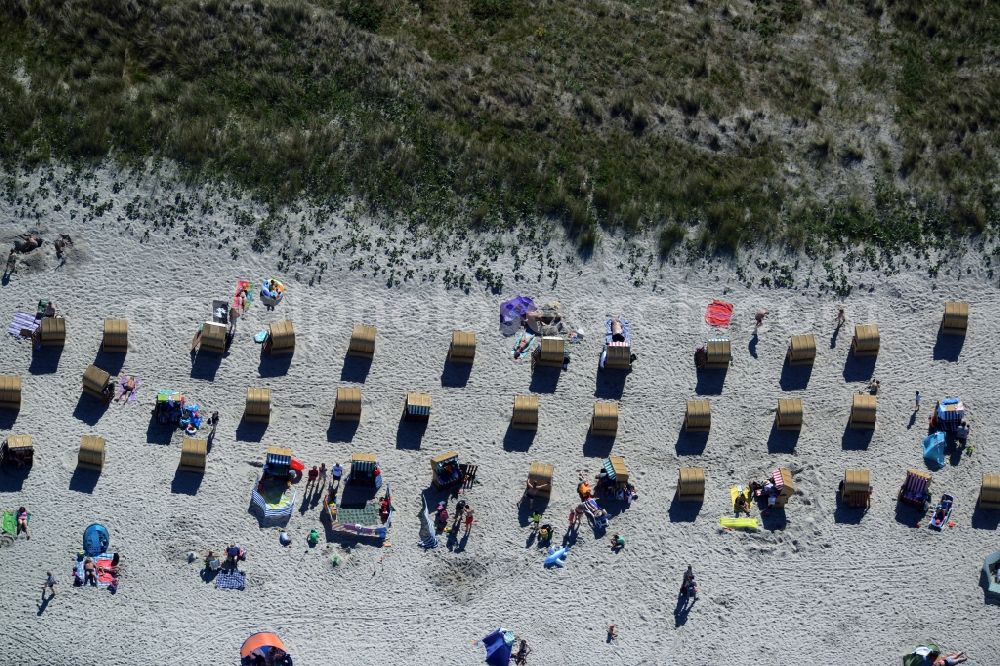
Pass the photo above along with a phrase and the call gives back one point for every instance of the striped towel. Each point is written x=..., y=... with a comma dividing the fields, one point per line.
x=22, y=321
x=231, y=580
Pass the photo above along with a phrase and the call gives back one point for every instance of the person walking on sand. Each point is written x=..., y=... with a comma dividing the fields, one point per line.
x=468, y=521
x=916, y=403
x=759, y=318
x=689, y=588
x=839, y=321
x=335, y=474
x=50, y=584
x=313, y=476
x=322, y=475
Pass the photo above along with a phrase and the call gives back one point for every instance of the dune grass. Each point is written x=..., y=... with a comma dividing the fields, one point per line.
x=780, y=120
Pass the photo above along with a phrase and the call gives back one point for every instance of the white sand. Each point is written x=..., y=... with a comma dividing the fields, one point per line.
x=814, y=591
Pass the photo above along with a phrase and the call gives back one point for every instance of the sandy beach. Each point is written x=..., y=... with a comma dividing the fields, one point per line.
x=818, y=586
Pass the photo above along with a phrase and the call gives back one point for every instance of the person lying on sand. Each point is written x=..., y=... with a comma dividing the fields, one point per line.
x=27, y=243
x=128, y=388
x=617, y=330
x=61, y=244
x=948, y=659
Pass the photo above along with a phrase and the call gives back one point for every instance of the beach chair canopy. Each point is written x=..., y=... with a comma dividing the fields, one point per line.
x=802, y=349
x=698, y=416
x=348, y=404
x=956, y=318
x=614, y=467
x=362, y=341
x=691, y=483
x=604, y=422
x=193, y=454
x=363, y=466
x=418, y=405
x=525, y=414
x=463, y=347
x=263, y=642
x=863, y=410
x=91, y=454
x=915, y=487
x=278, y=461
x=95, y=539
x=866, y=340
x=115, y=339
x=789, y=414
x=18, y=450
x=989, y=492
x=718, y=353
x=258, y=405
x=540, y=479
x=950, y=412
x=281, y=337
x=52, y=332
x=10, y=392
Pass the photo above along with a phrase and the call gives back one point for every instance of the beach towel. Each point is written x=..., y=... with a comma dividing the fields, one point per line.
x=242, y=285
x=23, y=321
x=104, y=575
x=528, y=347
x=231, y=580
x=719, y=313
x=738, y=523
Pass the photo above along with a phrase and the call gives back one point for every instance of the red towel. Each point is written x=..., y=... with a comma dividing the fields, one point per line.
x=719, y=313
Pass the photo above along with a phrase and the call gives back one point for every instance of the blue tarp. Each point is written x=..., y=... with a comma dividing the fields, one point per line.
x=934, y=449
x=95, y=540
x=512, y=311
x=498, y=644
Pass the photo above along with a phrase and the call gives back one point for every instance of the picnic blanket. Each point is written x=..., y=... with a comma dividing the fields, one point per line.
x=233, y=579
x=23, y=321
x=719, y=313
x=626, y=330
x=532, y=342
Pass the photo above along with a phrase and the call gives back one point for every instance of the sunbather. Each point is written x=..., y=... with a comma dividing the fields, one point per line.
x=27, y=242
x=523, y=344
x=127, y=389
x=617, y=330
x=22, y=522
x=948, y=659
x=61, y=244
x=521, y=657
x=89, y=572
x=742, y=505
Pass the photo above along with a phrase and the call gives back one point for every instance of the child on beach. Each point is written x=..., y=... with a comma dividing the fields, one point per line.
x=468, y=521
x=50, y=584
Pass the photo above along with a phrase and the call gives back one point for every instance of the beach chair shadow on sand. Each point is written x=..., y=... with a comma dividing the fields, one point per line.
x=356, y=369
x=250, y=431
x=273, y=365
x=341, y=431
x=782, y=441
x=45, y=361
x=84, y=480
x=186, y=482
x=690, y=443
x=455, y=375
x=111, y=362
x=948, y=347
x=856, y=439
x=516, y=439
x=89, y=409
x=710, y=381
x=795, y=377
x=683, y=511
x=859, y=368
x=410, y=433
x=205, y=365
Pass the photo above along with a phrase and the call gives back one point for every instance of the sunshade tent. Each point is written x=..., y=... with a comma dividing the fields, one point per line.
x=264, y=642
x=990, y=569
x=498, y=644
x=95, y=539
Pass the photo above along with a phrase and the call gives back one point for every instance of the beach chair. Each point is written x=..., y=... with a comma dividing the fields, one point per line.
x=463, y=347
x=989, y=492
x=362, y=342
x=956, y=318
x=801, y=350
x=783, y=483
x=618, y=356
x=194, y=453
x=866, y=340
x=258, y=406
x=856, y=488
x=52, y=332
x=115, y=340
x=417, y=406
x=597, y=516
x=718, y=354
x=446, y=472
x=915, y=490
x=18, y=451
x=10, y=392
x=91, y=454
x=539, y=480
x=691, y=484
x=698, y=416
x=97, y=383
x=863, y=409
x=604, y=422
x=213, y=338
x=348, y=404
x=551, y=353
x=280, y=339
x=789, y=414
x=363, y=467
x=525, y=414
x=616, y=473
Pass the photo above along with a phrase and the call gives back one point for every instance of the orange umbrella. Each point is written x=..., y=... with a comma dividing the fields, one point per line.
x=259, y=640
